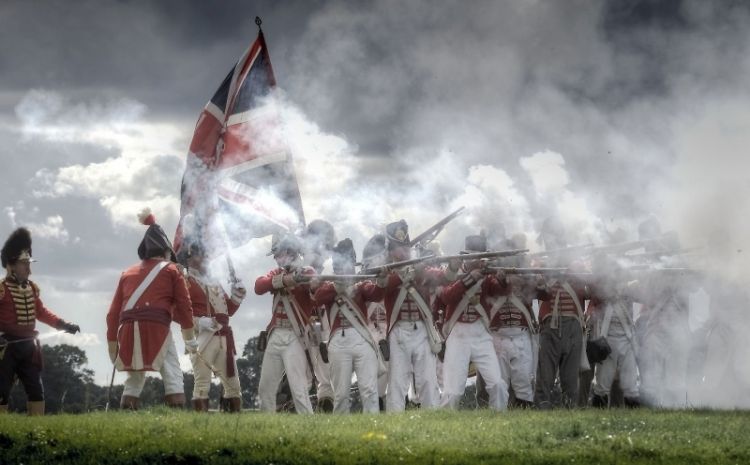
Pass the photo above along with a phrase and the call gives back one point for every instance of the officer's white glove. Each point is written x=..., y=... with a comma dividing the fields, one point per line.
x=238, y=292
x=191, y=345
x=206, y=323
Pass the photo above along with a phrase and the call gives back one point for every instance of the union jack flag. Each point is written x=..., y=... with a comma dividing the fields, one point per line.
x=239, y=181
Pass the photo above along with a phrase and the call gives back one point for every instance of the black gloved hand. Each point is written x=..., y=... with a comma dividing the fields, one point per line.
x=69, y=328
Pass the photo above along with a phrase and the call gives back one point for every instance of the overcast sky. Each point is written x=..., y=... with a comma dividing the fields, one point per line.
x=602, y=112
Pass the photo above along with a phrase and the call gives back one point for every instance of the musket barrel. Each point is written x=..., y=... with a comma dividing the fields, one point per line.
x=511, y=270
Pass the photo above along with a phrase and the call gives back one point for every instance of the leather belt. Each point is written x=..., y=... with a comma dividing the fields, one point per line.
x=409, y=315
x=283, y=323
x=468, y=318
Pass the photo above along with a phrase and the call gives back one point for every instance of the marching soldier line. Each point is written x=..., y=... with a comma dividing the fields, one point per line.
x=402, y=323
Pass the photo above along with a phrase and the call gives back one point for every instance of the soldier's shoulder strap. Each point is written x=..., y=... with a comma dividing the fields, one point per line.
x=2, y=288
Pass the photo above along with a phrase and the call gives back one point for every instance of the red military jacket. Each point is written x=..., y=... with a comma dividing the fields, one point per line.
x=509, y=315
x=21, y=307
x=199, y=298
x=364, y=292
x=430, y=277
x=300, y=294
x=454, y=293
x=565, y=302
x=141, y=332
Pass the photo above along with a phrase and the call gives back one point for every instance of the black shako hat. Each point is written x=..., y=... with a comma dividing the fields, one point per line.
x=475, y=244
x=155, y=242
x=374, y=250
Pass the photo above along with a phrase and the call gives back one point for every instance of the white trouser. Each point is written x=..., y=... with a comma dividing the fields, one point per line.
x=471, y=342
x=171, y=374
x=663, y=360
x=410, y=352
x=620, y=361
x=348, y=351
x=284, y=352
x=214, y=352
x=515, y=354
x=379, y=333
x=322, y=372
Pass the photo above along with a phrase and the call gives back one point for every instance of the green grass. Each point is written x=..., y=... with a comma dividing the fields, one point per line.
x=590, y=436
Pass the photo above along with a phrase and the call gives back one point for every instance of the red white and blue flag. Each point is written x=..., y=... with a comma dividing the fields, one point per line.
x=239, y=182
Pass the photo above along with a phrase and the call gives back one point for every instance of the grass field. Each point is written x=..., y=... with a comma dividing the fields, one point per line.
x=465, y=437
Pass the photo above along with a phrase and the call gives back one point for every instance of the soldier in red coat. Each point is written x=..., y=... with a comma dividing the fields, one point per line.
x=150, y=295
x=352, y=346
x=413, y=339
x=20, y=308
x=468, y=339
x=561, y=317
x=212, y=308
x=288, y=344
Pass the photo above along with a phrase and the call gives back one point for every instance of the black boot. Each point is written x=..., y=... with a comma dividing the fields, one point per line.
x=598, y=401
x=632, y=402
x=522, y=404
x=381, y=403
x=325, y=405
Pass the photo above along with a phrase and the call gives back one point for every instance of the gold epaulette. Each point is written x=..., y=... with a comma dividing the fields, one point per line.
x=35, y=287
x=2, y=288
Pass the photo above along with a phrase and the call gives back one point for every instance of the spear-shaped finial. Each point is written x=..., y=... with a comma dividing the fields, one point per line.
x=258, y=21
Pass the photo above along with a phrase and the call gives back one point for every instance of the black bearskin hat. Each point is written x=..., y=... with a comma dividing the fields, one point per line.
x=319, y=234
x=17, y=245
x=289, y=243
x=397, y=234
x=155, y=242
x=344, y=254
x=374, y=250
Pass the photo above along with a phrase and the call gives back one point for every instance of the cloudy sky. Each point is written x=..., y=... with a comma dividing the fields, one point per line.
x=601, y=112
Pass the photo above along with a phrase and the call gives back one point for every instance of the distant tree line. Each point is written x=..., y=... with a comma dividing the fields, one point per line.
x=70, y=388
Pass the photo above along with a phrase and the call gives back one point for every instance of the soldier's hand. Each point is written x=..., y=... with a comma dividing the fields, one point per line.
x=69, y=328
x=191, y=345
x=454, y=264
x=289, y=280
x=238, y=290
x=314, y=283
x=112, y=347
x=476, y=274
x=206, y=323
x=500, y=276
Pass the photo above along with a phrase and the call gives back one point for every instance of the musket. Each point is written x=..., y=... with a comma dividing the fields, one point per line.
x=652, y=269
x=623, y=247
x=445, y=258
x=334, y=277
x=573, y=248
x=514, y=270
x=430, y=233
x=666, y=253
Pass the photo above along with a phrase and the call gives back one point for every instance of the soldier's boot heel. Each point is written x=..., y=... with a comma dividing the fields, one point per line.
x=598, y=401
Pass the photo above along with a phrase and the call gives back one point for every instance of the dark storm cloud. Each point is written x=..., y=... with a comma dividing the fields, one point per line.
x=429, y=100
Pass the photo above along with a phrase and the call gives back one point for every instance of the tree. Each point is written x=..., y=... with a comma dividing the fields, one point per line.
x=68, y=387
x=248, y=369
